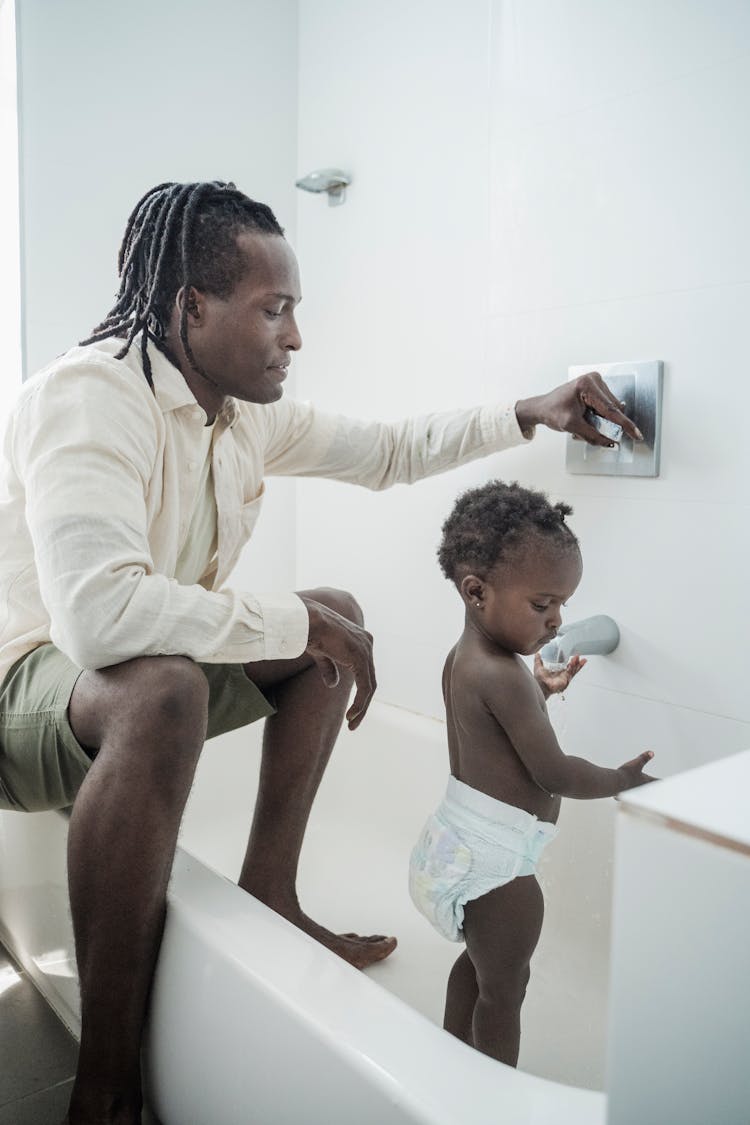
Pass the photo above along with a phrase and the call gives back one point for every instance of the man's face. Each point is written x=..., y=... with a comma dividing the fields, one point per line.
x=243, y=343
x=523, y=599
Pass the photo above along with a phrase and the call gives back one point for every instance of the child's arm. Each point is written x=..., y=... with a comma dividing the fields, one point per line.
x=513, y=700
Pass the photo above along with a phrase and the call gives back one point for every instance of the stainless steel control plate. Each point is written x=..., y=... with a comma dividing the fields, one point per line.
x=638, y=385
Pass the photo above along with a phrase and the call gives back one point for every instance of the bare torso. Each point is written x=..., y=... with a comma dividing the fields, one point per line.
x=481, y=753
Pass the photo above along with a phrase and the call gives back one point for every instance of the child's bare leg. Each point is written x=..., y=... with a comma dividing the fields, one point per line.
x=502, y=929
x=460, y=999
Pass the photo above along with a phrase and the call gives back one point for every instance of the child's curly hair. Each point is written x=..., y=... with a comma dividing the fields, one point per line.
x=487, y=522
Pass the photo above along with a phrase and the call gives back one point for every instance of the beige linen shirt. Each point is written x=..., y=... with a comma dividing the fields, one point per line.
x=98, y=484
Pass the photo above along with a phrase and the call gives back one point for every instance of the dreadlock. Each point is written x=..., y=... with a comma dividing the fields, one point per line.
x=178, y=236
x=488, y=523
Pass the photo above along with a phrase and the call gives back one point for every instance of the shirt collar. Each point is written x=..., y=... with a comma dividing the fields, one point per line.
x=171, y=390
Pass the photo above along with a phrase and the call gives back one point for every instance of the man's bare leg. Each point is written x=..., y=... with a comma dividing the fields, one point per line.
x=297, y=744
x=147, y=720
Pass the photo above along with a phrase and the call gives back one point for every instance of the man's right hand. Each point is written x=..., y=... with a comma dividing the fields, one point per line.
x=564, y=409
x=335, y=642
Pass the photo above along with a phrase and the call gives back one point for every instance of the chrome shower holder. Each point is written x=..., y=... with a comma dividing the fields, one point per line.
x=332, y=181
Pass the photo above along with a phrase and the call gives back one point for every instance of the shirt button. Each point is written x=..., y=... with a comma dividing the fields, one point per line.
x=192, y=466
x=282, y=646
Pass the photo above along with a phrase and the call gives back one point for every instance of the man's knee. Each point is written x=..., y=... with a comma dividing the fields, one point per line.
x=172, y=689
x=341, y=601
x=166, y=696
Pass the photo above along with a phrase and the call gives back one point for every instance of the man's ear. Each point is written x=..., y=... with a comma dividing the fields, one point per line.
x=194, y=303
x=473, y=590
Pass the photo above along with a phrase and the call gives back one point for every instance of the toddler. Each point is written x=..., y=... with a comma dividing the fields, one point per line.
x=515, y=562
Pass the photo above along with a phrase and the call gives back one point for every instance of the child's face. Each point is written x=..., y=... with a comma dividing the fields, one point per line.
x=520, y=603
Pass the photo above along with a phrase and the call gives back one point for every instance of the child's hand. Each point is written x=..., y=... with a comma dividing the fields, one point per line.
x=551, y=682
x=632, y=772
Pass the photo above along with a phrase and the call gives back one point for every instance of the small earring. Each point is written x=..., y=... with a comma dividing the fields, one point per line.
x=478, y=605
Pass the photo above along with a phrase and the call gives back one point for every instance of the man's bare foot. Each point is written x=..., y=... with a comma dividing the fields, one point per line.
x=359, y=951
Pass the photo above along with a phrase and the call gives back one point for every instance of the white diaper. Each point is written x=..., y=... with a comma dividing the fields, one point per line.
x=472, y=844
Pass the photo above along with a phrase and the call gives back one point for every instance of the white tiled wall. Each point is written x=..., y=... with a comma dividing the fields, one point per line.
x=620, y=165
x=539, y=184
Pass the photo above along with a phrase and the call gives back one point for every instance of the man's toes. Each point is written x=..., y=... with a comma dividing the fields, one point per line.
x=369, y=937
x=370, y=952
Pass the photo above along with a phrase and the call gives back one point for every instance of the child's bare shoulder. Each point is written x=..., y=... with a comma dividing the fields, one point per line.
x=491, y=671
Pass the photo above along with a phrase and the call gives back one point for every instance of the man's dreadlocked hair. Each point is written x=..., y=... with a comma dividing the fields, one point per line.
x=487, y=523
x=179, y=235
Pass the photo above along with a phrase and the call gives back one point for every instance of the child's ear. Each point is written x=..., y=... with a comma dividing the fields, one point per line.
x=472, y=590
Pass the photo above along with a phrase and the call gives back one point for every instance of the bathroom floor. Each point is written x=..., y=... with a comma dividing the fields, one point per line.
x=38, y=1053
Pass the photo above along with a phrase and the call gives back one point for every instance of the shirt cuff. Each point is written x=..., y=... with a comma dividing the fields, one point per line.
x=501, y=429
x=285, y=625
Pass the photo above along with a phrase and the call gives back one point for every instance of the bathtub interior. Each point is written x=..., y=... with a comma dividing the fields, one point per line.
x=381, y=783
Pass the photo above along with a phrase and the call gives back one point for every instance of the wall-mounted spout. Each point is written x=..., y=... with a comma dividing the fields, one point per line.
x=593, y=636
x=330, y=180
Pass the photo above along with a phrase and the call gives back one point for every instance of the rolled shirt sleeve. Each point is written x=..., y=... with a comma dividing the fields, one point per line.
x=377, y=455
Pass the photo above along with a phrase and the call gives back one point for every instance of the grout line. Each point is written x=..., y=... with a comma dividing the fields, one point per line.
x=532, y=310
x=45, y=1089
x=668, y=703
x=34, y=1094
x=646, y=89
x=589, y=686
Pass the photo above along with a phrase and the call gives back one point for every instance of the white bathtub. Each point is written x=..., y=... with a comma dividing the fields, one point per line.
x=251, y=1021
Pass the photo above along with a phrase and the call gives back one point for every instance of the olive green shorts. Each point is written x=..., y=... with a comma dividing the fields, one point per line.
x=41, y=763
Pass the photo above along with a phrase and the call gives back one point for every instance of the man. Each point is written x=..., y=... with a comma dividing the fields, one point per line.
x=132, y=476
